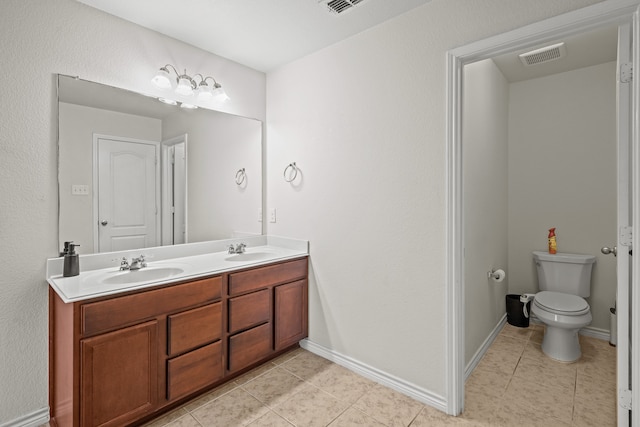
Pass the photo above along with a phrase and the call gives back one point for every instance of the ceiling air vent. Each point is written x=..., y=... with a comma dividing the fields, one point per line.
x=340, y=6
x=545, y=54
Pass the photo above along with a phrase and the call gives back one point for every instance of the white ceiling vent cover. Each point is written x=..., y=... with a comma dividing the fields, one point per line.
x=545, y=54
x=339, y=6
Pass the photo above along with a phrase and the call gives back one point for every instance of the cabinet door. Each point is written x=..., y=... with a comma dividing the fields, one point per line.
x=290, y=320
x=119, y=375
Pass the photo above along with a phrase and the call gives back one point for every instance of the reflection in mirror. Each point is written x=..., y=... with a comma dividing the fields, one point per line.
x=135, y=173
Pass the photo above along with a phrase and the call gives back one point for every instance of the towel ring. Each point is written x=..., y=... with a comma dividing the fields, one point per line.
x=294, y=171
x=241, y=175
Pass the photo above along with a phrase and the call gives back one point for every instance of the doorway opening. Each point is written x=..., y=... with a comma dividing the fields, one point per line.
x=581, y=21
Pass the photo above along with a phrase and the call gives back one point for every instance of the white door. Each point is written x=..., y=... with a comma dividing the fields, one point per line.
x=128, y=179
x=174, y=190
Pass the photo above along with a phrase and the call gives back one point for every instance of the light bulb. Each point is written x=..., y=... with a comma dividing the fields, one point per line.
x=204, y=92
x=162, y=79
x=184, y=86
x=219, y=93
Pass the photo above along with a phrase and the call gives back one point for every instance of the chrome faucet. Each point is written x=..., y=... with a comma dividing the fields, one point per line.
x=238, y=249
x=136, y=263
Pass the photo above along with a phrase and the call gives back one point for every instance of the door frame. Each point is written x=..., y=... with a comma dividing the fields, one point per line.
x=96, y=219
x=167, y=185
x=613, y=12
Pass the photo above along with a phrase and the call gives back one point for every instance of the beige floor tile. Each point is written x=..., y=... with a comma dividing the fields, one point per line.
x=486, y=382
x=184, y=421
x=537, y=335
x=237, y=408
x=480, y=408
x=389, y=406
x=430, y=417
x=341, y=383
x=547, y=372
x=274, y=387
x=311, y=407
x=210, y=396
x=547, y=400
x=255, y=373
x=594, y=401
x=518, y=413
x=283, y=358
x=306, y=364
x=270, y=419
x=165, y=419
x=503, y=359
x=516, y=332
x=353, y=417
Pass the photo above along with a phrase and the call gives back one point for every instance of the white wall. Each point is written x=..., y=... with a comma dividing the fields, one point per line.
x=39, y=39
x=484, y=145
x=365, y=121
x=76, y=162
x=562, y=173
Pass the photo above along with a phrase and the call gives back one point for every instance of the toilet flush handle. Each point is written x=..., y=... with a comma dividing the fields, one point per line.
x=606, y=250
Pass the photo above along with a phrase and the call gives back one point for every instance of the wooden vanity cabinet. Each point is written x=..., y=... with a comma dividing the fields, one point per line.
x=121, y=360
x=267, y=311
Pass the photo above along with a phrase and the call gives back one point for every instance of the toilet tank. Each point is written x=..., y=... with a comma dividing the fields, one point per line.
x=566, y=273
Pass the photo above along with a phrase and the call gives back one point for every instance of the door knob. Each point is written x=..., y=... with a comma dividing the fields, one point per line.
x=105, y=222
x=605, y=250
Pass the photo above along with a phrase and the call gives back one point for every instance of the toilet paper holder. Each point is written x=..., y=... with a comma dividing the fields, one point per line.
x=496, y=274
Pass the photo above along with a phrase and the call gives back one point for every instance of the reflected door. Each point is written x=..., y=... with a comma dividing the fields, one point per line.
x=128, y=186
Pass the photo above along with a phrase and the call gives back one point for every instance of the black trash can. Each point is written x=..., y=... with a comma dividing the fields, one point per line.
x=515, y=314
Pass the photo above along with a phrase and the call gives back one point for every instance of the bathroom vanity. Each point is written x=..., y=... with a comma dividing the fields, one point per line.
x=123, y=357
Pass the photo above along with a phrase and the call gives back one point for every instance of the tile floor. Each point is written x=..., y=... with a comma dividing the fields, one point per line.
x=513, y=385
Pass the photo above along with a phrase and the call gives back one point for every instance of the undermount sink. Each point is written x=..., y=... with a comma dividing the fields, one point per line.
x=145, y=274
x=249, y=256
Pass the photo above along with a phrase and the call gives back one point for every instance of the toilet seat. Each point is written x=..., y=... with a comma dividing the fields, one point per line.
x=561, y=304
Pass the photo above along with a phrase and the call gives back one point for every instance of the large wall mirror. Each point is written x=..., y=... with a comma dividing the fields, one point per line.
x=135, y=172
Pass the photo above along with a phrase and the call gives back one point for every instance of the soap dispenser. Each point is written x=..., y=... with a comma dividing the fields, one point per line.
x=66, y=248
x=71, y=261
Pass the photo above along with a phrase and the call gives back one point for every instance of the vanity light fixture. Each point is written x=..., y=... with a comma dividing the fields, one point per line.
x=185, y=85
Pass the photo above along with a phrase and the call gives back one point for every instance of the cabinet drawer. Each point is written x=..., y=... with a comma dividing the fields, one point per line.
x=249, y=310
x=250, y=346
x=194, y=328
x=192, y=371
x=257, y=278
x=120, y=311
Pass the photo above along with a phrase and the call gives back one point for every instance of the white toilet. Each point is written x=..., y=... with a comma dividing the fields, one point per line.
x=564, y=281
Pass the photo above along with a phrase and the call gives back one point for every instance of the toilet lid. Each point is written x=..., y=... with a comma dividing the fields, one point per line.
x=560, y=303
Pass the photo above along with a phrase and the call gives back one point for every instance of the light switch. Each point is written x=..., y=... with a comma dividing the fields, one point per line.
x=259, y=215
x=272, y=215
x=80, y=190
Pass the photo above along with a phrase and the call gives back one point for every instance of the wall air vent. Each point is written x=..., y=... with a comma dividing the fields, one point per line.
x=545, y=54
x=339, y=6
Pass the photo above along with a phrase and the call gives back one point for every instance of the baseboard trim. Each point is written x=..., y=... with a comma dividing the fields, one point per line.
x=601, y=334
x=374, y=374
x=34, y=419
x=484, y=347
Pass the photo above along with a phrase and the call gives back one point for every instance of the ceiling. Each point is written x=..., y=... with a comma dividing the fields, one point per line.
x=261, y=34
x=583, y=50
x=264, y=34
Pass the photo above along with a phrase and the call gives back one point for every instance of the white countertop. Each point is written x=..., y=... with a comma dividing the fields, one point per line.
x=100, y=274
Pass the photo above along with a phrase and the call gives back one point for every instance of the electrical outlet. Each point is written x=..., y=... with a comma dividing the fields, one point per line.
x=79, y=190
x=272, y=215
x=259, y=215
